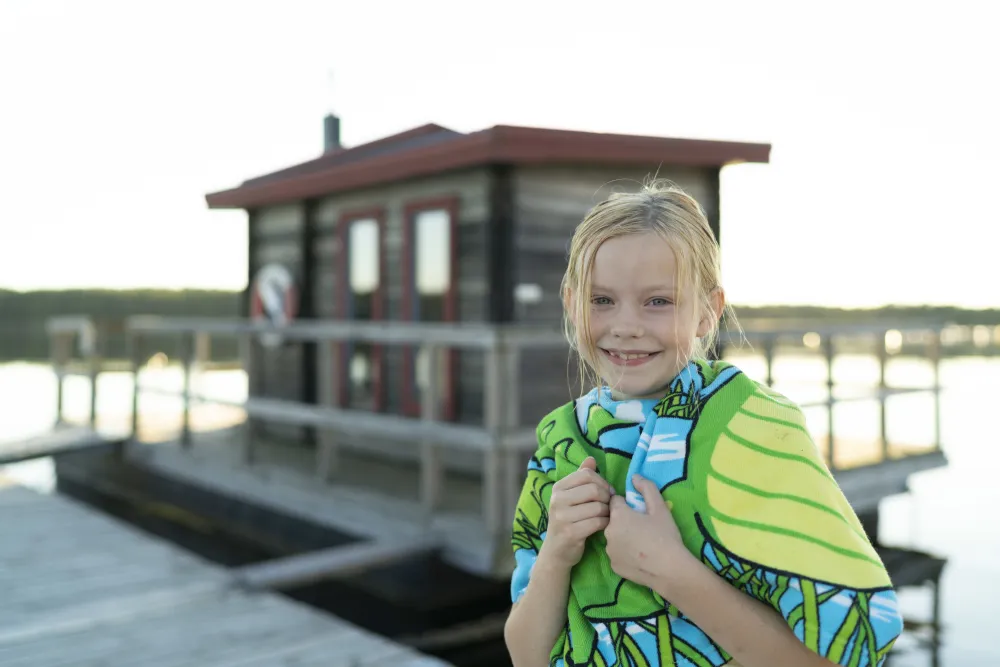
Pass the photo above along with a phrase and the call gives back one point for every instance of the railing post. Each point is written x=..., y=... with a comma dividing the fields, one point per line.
x=883, y=360
x=56, y=343
x=327, y=447
x=769, y=360
x=493, y=413
x=133, y=345
x=247, y=354
x=828, y=353
x=934, y=353
x=431, y=470
x=202, y=350
x=514, y=464
x=94, y=355
x=187, y=351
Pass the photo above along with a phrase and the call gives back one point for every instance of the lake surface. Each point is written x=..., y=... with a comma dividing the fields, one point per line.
x=948, y=512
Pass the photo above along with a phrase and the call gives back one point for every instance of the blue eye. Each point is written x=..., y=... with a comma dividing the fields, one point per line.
x=600, y=301
x=660, y=302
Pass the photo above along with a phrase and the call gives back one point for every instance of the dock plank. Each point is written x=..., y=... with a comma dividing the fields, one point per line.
x=62, y=439
x=83, y=589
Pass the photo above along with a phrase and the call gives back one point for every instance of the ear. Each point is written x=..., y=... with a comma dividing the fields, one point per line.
x=716, y=304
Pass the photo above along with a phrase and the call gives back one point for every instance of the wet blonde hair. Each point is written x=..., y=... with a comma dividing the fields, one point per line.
x=660, y=207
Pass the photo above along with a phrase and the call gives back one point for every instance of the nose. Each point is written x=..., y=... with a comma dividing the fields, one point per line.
x=627, y=325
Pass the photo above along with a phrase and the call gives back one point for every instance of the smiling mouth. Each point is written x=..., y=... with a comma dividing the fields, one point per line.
x=628, y=358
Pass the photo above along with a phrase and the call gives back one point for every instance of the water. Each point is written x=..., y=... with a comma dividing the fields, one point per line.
x=948, y=512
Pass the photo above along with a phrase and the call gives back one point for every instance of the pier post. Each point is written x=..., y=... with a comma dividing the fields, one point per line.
x=94, y=357
x=769, y=360
x=246, y=347
x=828, y=352
x=56, y=343
x=514, y=466
x=883, y=360
x=133, y=346
x=493, y=414
x=431, y=469
x=934, y=355
x=327, y=445
x=187, y=353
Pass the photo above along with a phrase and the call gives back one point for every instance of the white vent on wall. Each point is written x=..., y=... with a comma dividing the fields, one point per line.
x=528, y=293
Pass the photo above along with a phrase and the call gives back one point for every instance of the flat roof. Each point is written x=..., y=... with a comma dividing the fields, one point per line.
x=432, y=149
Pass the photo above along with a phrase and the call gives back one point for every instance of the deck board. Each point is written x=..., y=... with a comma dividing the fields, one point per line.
x=83, y=589
x=56, y=441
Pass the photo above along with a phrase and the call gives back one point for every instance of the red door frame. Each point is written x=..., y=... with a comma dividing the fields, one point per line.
x=343, y=289
x=411, y=405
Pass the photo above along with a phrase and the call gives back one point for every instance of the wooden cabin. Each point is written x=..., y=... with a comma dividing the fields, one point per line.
x=436, y=225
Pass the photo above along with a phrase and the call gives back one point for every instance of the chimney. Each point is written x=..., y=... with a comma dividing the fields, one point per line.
x=331, y=133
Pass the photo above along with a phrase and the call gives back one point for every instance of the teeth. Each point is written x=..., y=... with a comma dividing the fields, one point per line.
x=628, y=357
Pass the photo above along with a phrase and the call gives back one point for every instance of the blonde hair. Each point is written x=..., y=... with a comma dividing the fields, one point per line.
x=661, y=207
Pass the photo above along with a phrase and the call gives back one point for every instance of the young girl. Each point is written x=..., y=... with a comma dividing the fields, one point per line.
x=679, y=513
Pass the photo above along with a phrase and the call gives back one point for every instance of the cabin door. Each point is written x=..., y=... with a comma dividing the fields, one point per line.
x=430, y=242
x=360, y=292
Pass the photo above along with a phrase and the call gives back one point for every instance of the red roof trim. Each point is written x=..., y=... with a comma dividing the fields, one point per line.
x=500, y=144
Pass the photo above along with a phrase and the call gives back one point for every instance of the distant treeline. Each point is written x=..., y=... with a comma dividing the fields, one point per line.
x=888, y=315
x=23, y=316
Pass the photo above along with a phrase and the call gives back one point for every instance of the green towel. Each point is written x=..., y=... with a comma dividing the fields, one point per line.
x=752, y=499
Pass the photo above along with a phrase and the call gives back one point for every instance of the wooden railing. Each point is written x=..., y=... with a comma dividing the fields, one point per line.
x=925, y=341
x=498, y=438
x=63, y=333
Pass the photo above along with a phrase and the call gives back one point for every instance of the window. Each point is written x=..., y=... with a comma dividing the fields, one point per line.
x=361, y=295
x=432, y=263
x=363, y=259
x=430, y=293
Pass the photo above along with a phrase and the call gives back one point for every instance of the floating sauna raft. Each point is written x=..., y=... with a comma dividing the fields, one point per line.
x=81, y=589
x=380, y=476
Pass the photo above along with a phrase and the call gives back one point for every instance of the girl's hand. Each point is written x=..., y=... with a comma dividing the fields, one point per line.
x=645, y=547
x=578, y=508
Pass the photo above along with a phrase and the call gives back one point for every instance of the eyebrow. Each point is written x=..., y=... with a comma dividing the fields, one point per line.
x=649, y=288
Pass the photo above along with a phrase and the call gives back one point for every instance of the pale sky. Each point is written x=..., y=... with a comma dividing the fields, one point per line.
x=117, y=117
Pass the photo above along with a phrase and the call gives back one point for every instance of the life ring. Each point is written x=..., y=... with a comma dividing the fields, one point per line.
x=274, y=299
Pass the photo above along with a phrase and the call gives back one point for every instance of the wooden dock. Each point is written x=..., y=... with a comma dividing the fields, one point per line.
x=82, y=588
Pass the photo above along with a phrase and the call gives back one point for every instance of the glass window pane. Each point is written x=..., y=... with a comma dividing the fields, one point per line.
x=432, y=230
x=361, y=367
x=363, y=260
x=363, y=256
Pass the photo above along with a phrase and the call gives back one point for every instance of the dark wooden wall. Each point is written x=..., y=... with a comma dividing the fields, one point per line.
x=277, y=236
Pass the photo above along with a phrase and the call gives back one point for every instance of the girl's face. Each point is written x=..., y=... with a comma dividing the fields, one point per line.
x=644, y=329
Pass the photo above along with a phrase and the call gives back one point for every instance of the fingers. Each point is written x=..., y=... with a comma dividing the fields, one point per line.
x=578, y=513
x=585, y=494
x=579, y=478
x=650, y=493
x=589, y=463
x=588, y=527
x=617, y=503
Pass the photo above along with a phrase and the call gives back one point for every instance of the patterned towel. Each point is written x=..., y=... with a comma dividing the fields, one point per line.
x=752, y=499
